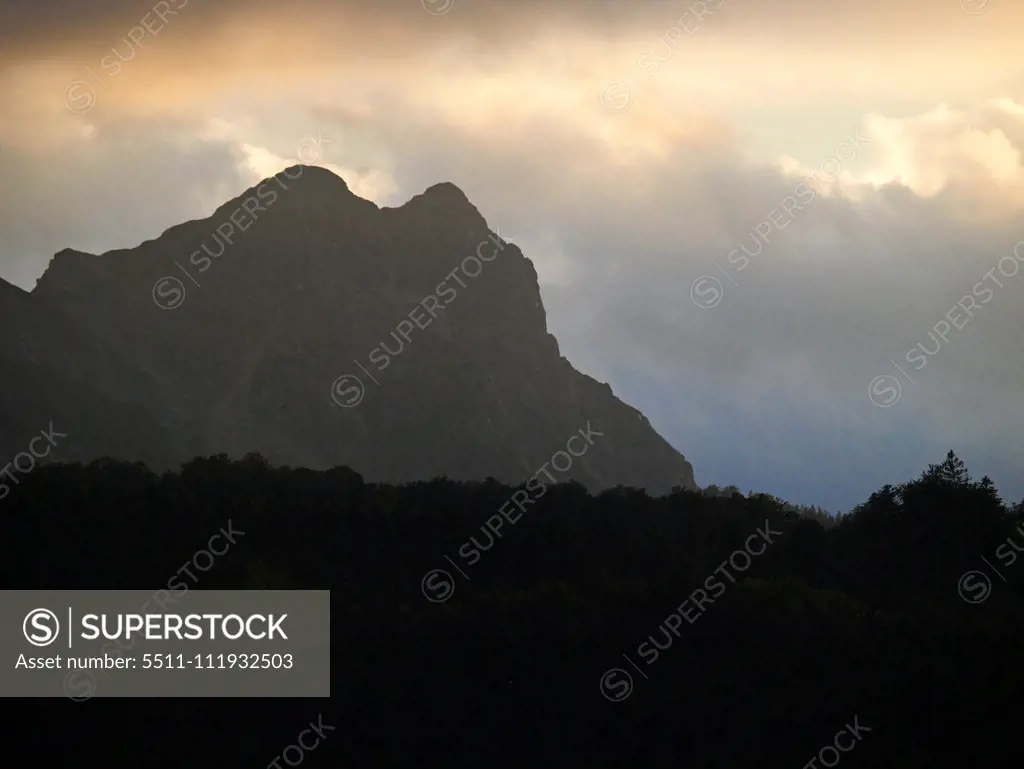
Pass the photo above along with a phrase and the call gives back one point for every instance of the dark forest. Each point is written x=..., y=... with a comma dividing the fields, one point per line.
x=886, y=620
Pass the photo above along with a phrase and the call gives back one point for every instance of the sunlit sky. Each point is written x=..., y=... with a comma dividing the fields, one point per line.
x=628, y=148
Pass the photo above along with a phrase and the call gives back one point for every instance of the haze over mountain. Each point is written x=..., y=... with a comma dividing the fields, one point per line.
x=307, y=324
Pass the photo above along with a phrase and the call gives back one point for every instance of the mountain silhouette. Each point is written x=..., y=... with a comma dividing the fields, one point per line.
x=309, y=325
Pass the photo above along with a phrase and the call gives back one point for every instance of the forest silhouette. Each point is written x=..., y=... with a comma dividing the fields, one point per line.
x=867, y=616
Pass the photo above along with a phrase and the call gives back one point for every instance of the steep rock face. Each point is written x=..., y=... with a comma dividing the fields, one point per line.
x=57, y=377
x=258, y=328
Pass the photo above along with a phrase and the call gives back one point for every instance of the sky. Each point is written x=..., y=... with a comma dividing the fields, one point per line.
x=783, y=230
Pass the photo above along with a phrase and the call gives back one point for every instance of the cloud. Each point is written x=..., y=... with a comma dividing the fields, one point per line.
x=621, y=211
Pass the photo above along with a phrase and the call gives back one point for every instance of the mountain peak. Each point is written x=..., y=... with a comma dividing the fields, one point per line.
x=313, y=171
x=445, y=191
x=312, y=177
x=290, y=307
x=442, y=201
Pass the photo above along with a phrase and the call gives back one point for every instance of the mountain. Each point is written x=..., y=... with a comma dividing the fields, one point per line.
x=304, y=323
